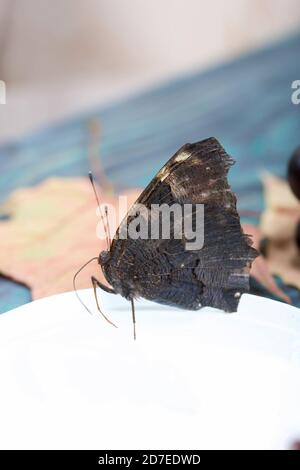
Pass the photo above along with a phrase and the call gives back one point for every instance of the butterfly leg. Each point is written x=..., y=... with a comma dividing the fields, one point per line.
x=109, y=290
x=96, y=284
x=133, y=318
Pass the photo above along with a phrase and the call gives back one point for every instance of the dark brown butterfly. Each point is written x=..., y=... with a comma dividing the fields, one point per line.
x=163, y=269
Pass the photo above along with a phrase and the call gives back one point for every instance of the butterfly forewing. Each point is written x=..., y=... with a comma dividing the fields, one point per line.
x=162, y=269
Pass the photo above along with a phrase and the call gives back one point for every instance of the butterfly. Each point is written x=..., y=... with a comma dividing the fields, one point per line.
x=163, y=270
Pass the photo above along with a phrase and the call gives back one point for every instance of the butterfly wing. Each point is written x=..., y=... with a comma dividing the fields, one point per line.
x=164, y=270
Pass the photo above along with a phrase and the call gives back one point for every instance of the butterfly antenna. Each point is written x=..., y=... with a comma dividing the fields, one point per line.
x=74, y=283
x=133, y=318
x=100, y=211
x=107, y=223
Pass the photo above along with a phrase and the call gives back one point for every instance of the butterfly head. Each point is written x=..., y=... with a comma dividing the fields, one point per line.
x=104, y=258
x=119, y=282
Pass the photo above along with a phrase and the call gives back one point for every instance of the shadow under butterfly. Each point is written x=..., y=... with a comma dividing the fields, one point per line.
x=163, y=270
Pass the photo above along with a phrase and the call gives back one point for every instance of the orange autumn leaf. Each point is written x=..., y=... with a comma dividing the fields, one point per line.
x=260, y=269
x=51, y=233
x=278, y=224
x=282, y=211
x=284, y=260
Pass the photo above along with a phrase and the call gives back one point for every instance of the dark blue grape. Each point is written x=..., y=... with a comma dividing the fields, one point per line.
x=294, y=172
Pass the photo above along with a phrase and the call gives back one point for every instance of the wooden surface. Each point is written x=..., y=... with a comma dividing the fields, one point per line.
x=246, y=104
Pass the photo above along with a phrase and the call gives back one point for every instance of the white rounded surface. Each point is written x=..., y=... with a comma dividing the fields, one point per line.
x=192, y=380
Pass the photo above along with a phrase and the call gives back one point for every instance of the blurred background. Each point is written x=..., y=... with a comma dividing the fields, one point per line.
x=118, y=86
x=59, y=58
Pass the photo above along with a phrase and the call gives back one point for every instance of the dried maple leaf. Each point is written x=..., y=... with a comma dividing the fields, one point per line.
x=282, y=210
x=278, y=225
x=284, y=261
x=51, y=233
x=260, y=269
